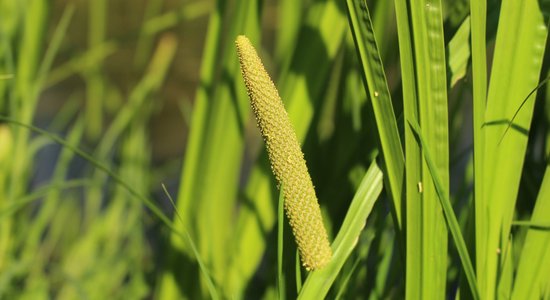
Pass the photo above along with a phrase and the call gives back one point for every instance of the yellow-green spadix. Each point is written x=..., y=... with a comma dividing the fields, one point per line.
x=287, y=159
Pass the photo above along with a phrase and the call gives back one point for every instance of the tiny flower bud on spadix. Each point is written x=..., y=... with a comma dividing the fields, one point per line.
x=287, y=159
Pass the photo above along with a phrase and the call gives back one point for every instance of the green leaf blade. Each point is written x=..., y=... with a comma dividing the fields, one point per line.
x=376, y=86
x=519, y=52
x=319, y=282
x=431, y=80
x=532, y=272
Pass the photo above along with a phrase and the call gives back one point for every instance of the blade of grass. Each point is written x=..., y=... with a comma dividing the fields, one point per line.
x=187, y=11
x=450, y=217
x=31, y=48
x=459, y=52
x=290, y=15
x=385, y=275
x=543, y=225
x=511, y=122
x=345, y=283
x=431, y=80
x=319, y=282
x=209, y=282
x=53, y=48
x=79, y=64
x=95, y=85
x=302, y=86
x=478, y=20
x=534, y=262
x=10, y=16
x=413, y=163
x=383, y=20
x=518, y=56
x=506, y=271
x=7, y=68
x=376, y=86
x=29, y=78
x=144, y=44
x=41, y=192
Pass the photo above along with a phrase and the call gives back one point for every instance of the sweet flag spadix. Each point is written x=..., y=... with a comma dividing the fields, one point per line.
x=287, y=159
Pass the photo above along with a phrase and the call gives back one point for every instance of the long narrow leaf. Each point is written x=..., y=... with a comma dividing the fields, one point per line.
x=319, y=282
x=376, y=86
x=431, y=86
x=413, y=167
x=478, y=14
x=519, y=52
x=534, y=263
x=450, y=216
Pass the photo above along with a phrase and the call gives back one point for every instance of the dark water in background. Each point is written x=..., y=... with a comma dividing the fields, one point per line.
x=168, y=128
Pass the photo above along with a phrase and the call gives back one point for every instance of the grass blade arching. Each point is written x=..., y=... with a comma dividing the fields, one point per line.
x=319, y=282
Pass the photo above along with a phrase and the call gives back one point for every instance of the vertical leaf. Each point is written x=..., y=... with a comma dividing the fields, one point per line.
x=95, y=84
x=413, y=162
x=478, y=15
x=431, y=80
x=519, y=51
x=376, y=86
x=534, y=263
x=319, y=282
x=452, y=222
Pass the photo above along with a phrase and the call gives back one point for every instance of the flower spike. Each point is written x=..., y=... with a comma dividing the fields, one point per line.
x=287, y=159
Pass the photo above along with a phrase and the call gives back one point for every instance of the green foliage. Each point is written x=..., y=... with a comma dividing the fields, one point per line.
x=418, y=119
